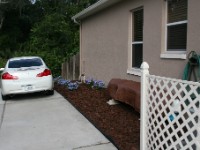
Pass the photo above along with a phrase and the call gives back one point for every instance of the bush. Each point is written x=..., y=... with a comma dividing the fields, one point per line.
x=73, y=86
x=96, y=84
x=69, y=84
x=63, y=82
x=2, y=62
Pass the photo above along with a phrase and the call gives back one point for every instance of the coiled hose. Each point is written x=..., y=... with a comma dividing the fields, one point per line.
x=193, y=62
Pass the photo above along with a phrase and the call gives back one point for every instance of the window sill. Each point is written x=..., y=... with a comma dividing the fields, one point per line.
x=174, y=55
x=134, y=71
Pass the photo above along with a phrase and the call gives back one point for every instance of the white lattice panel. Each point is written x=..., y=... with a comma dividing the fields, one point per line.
x=173, y=114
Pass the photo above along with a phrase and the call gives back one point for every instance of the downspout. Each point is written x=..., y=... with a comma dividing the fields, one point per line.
x=81, y=71
x=75, y=21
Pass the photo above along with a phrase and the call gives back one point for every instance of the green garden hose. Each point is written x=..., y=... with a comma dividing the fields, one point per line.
x=193, y=61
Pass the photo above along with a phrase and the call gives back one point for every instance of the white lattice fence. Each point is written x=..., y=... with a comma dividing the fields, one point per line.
x=170, y=114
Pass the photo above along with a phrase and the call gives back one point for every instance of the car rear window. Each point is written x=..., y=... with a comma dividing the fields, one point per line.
x=25, y=63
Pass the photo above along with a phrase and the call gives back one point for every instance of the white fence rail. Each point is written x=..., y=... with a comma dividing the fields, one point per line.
x=170, y=113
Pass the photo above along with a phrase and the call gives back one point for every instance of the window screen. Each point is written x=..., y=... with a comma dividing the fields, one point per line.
x=177, y=25
x=137, y=54
x=137, y=35
x=138, y=25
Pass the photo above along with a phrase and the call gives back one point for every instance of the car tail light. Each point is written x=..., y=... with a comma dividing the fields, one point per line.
x=46, y=72
x=7, y=76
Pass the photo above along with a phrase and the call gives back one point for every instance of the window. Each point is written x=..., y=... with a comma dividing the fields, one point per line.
x=176, y=25
x=25, y=63
x=137, y=38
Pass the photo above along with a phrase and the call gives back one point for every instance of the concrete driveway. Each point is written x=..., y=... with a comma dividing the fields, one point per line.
x=39, y=122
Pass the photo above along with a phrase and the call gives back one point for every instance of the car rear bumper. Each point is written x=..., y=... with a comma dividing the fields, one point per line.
x=16, y=87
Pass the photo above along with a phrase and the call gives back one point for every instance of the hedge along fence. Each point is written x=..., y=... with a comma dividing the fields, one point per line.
x=170, y=113
x=70, y=69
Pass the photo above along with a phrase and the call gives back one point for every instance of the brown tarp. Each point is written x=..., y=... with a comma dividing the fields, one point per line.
x=126, y=91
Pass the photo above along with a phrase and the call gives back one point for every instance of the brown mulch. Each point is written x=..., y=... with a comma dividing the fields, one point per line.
x=119, y=123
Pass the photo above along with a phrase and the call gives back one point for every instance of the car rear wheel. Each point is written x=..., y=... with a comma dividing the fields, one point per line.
x=5, y=97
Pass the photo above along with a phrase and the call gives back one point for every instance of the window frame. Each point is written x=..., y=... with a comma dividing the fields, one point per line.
x=134, y=70
x=181, y=53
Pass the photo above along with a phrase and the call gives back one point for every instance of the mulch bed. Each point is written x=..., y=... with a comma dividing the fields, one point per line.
x=119, y=123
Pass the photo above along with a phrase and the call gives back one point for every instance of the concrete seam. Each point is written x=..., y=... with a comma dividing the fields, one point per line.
x=90, y=145
x=2, y=116
x=45, y=99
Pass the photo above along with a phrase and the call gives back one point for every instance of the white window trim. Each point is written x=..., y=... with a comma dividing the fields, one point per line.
x=134, y=71
x=131, y=70
x=172, y=54
x=177, y=23
x=137, y=42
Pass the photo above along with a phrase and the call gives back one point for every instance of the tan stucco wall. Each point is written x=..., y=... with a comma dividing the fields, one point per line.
x=105, y=40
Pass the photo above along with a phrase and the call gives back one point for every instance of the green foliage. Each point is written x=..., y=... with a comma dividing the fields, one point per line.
x=44, y=29
x=52, y=35
x=2, y=62
x=52, y=61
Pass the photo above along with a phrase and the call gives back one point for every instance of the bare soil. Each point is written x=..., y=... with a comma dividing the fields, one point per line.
x=119, y=123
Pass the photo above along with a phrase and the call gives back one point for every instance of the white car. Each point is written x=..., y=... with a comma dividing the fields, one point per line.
x=26, y=75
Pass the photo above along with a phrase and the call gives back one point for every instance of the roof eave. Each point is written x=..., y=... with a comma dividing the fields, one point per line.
x=96, y=7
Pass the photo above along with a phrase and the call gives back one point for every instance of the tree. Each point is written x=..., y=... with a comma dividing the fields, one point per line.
x=2, y=4
x=43, y=28
x=52, y=35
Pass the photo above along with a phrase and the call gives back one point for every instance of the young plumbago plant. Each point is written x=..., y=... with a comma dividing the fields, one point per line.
x=89, y=81
x=96, y=84
x=63, y=82
x=73, y=86
x=70, y=85
x=57, y=78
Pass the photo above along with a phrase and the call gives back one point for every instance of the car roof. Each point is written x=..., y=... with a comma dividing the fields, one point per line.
x=24, y=57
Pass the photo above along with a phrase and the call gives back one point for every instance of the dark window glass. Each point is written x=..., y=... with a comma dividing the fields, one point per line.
x=177, y=37
x=25, y=63
x=137, y=55
x=177, y=10
x=137, y=48
x=177, y=32
x=138, y=25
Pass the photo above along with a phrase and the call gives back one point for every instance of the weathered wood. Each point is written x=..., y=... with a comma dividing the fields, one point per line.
x=70, y=68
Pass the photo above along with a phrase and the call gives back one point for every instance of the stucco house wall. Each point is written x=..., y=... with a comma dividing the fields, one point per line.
x=105, y=40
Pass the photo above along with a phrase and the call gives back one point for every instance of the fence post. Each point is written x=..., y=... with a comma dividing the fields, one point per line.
x=144, y=71
x=74, y=67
